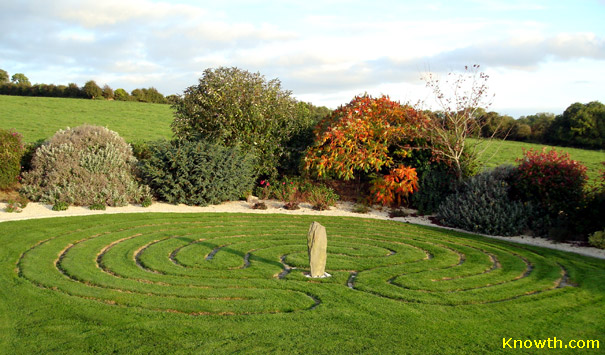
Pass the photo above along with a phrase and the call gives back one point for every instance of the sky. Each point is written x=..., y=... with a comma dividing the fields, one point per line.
x=541, y=56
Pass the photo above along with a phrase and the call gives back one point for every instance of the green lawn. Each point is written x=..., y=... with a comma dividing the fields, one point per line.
x=223, y=283
x=40, y=117
x=506, y=152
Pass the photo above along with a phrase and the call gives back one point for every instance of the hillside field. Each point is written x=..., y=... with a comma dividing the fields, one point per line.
x=40, y=117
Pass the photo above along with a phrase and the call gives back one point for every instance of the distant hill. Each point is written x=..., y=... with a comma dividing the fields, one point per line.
x=40, y=117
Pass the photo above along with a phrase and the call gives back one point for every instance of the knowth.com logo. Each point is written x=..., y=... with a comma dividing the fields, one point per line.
x=550, y=343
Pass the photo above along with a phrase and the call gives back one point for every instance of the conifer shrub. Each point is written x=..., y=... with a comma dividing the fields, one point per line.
x=198, y=172
x=434, y=185
x=83, y=166
x=11, y=151
x=483, y=204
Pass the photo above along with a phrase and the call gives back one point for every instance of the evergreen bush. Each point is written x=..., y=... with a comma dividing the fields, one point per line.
x=11, y=151
x=198, y=172
x=434, y=186
x=482, y=204
x=83, y=166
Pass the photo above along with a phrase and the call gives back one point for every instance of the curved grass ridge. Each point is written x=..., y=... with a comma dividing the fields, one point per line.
x=213, y=264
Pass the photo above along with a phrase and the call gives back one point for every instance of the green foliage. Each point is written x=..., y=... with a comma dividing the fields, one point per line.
x=482, y=204
x=321, y=197
x=361, y=208
x=146, y=201
x=97, y=207
x=237, y=107
x=107, y=92
x=597, y=239
x=121, y=95
x=4, y=78
x=83, y=166
x=17, y=205
x=11, y=151
x=60, y=206
x=92, y=90
x=198, y=172
x=580, y=125
x=20, y=79
x=434, y=186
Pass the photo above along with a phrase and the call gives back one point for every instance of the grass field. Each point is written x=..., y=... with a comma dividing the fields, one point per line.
x=40, y=117
x=225, y=283
x=506, y=152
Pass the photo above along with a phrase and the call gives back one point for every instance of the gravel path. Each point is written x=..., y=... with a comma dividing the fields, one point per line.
x=37, y=210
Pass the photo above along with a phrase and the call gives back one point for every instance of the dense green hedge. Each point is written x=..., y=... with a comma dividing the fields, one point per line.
x=11, y=151
x=198, y=173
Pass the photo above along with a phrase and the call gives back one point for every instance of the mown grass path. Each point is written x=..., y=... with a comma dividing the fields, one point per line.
x=207, y=283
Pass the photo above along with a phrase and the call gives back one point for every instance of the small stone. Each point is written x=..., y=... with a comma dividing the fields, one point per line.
x=252, y=199
x=317, y=243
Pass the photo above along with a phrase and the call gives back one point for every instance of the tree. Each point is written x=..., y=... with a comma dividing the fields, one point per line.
x=107, y=92
x=121, y=95
x=138, y=95
x=580, y=125
x=235, y=106
x=369, y=135
x=461, y=98
x=92, y=90
x=154, y=96
x=73, y=90
x=20, y=79
x=540, y=124
x=4, y=78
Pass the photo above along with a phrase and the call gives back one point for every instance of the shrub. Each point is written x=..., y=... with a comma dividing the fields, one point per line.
x=551, y=180
x=321, y=197
x=198, y=172
x=482, y=204
x=28, y=155
x=16, y=206
x=97, y=207
x=11, y=151
x=360, y=208
x=237, y=107
x=434, y=186
x=60, y=206
x=597, y=239
x=146, y=201
x=83, y=166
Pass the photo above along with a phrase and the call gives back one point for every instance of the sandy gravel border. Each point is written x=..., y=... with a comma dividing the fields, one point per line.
x=37, y=210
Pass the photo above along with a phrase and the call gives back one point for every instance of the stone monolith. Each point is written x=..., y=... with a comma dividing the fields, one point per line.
x=317, y=243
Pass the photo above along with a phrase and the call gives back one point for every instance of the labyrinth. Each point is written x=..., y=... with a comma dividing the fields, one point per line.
x=228, y=265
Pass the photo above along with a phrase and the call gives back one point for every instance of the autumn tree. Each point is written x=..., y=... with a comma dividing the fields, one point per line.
x=461, y=98
x=369, y=135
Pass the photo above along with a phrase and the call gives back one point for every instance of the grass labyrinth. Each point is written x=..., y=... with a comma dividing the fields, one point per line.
x=208, y=280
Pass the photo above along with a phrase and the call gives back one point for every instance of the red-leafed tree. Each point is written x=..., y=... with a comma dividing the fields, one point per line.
x=369, y=135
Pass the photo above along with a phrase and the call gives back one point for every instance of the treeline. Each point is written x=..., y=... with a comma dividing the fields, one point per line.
x=19, y=85
x=581, y=125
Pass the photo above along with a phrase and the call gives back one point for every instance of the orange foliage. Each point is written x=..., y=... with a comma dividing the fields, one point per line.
x=395, y=186
x=356, y=137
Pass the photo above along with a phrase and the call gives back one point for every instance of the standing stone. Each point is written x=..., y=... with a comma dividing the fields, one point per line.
x=317, y=243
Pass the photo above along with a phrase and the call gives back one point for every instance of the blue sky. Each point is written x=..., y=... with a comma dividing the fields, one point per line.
x=541, y=55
